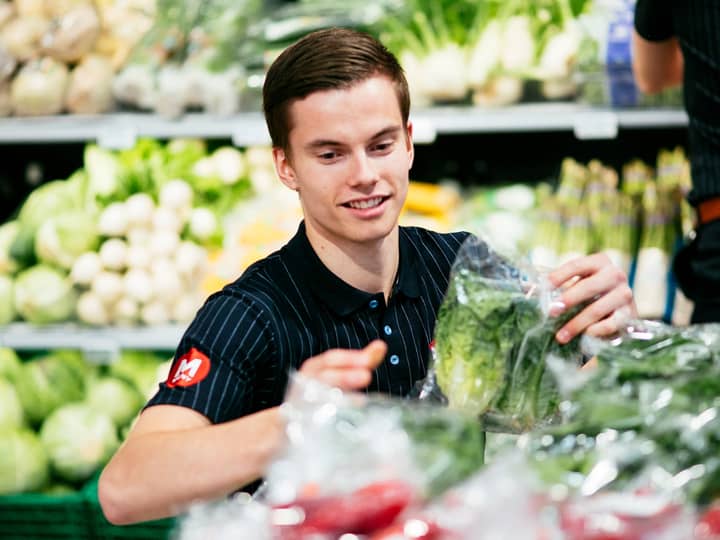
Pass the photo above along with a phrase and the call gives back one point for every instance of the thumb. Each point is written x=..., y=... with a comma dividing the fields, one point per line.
x=375, y=353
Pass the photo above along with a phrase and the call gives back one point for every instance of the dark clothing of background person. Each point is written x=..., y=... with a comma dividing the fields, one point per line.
x=696, y=26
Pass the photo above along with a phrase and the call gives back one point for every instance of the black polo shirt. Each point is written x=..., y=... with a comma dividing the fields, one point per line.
x=236, y=355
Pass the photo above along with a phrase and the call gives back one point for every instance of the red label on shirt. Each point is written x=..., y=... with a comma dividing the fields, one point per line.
x=191, y=368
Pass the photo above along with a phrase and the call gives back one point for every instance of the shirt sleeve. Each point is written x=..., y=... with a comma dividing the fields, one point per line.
x=213, y=371
x=653, y=19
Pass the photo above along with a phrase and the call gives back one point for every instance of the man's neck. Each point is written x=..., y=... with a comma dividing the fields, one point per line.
x=370, y=267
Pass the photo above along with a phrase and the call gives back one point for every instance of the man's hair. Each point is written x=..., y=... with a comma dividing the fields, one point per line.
x=336, y=58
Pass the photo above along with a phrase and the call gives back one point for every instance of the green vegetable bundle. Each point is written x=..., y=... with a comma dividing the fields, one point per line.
x=493, y=339
x=648, y=417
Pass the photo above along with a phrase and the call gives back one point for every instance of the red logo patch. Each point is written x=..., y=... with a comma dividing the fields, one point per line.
x=191, y=368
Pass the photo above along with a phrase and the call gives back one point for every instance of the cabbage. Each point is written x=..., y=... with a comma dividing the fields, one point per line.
x=8, y=232
x=62, y=239
x=140, y=368
x=23, y=462
x=47, y=383
x=115, y=398
x=44, y=295
x=48, y=200
x=11, y=413
x=7, y=300
x=78, y=441
x=10, y=365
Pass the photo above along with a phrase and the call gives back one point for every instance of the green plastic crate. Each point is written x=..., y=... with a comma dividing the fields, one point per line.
x=103, y=530
x=36, y=516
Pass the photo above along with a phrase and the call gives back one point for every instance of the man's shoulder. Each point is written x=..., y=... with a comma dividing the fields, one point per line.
x=424, y=240
x=259, y=280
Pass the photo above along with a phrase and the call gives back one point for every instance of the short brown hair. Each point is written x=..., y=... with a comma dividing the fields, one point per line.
x=329, y=59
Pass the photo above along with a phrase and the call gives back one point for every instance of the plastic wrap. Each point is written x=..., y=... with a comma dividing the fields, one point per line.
x=332, y=435
x=647, y=420
x=354, y=463
x=493, y=338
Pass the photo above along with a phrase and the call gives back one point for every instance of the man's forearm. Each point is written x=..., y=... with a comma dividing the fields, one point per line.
x=160, y=473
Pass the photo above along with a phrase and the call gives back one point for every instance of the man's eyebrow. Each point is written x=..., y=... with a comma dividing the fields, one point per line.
x=322, y=143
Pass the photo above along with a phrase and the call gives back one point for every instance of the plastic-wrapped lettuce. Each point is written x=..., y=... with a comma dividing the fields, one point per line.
x=493, y=338
x=647, y=417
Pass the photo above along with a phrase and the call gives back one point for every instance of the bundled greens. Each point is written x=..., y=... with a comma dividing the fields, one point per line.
x=493, y=339
x=648, y=414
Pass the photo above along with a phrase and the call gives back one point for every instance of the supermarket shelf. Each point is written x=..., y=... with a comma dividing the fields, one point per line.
x=120, y=130
x=586, y=122
x=102, y=341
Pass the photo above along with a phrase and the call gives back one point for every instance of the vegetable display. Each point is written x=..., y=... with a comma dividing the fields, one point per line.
x=486, y=50
x=62, y=56
x=62, y=417
x=127, y=238
x=191, y=58
x=632, y=456
x=636, y=217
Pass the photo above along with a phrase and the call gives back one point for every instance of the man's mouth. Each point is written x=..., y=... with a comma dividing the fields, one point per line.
x=365, y=203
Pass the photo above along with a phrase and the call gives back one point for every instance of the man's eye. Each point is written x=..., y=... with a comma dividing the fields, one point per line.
x=380, y=147
x=327, y=156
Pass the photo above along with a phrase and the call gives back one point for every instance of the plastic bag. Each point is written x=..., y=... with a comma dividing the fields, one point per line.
x=230, y=519
x=647, y=418
x=354, y=463
x=492, y=339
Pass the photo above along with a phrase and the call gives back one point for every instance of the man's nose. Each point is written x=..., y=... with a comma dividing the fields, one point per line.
x=364, y=170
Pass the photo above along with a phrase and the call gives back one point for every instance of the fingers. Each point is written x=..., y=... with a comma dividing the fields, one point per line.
x=598, y=315
x=346, y=368
x=596, y=280
x=376, y=352
x=347, y=379
x=582, y=266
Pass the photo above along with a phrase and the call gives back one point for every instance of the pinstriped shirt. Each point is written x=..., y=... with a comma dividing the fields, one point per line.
x=289, y=307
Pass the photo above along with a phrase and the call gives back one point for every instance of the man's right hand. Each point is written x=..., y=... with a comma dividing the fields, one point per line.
x=346, y=368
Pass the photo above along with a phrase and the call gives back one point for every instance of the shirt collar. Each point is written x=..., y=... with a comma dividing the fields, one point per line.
x=339, y=296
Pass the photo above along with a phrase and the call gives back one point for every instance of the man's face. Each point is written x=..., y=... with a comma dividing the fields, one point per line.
x=349, y=160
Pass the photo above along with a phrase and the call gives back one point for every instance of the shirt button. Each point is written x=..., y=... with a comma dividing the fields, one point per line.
x=373, y=304
x=387, y=330
x=394, y=359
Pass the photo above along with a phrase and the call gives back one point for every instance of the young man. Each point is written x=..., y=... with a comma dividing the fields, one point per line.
x=351, y=299
x=674, y=42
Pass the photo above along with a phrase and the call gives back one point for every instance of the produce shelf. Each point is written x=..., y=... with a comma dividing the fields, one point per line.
x=99, y=343
x=120, y=130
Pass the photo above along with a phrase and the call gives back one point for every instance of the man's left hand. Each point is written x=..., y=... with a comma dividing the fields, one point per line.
x=594, y=279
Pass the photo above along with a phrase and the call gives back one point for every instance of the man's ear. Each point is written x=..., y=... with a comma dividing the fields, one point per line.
x=284, y=169
x=409, y=142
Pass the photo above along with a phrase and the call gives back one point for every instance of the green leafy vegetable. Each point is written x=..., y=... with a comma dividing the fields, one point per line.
x=492, y=342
